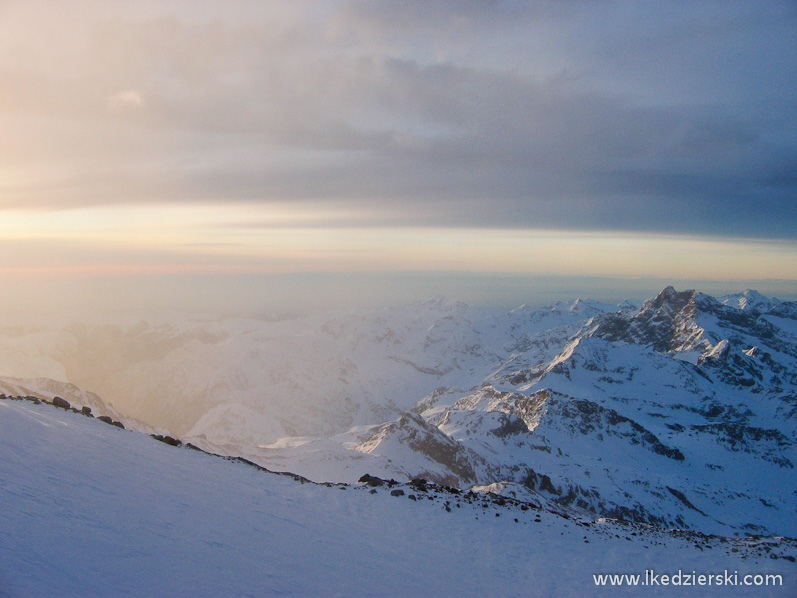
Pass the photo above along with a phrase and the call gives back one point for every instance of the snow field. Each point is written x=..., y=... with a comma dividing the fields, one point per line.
x=87, y=509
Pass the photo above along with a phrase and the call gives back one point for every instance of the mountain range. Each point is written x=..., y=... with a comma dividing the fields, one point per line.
x=679, y=413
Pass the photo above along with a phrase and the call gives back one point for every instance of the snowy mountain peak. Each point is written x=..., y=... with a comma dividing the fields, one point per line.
x=749, y=300
x=670, y=300
x=665, y=323
x=718, y=351
x=626, y=305
x=579, y=305
x=585, y=307
x=589, y=307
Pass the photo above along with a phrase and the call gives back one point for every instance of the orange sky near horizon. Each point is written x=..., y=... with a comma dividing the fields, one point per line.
x=148, y=141
x=241, y=238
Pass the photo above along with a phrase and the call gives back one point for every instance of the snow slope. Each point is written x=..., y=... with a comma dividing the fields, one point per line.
x=88, y=509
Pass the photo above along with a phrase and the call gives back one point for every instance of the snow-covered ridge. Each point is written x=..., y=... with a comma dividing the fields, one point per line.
x=749, y=300
x=73, y=397
x=90, y=509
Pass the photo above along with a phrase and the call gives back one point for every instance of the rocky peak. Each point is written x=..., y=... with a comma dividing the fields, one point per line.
x=670, y=301
x=664, y=323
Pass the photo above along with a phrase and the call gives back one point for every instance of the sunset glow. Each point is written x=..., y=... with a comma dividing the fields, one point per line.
x=267, y=239
x=161, y=138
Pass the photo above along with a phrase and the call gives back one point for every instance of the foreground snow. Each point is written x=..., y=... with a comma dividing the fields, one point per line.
x=88, y=509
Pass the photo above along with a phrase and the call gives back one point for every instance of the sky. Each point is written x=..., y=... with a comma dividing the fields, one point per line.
x=264, y=155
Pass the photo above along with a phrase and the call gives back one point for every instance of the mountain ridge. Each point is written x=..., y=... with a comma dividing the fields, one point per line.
x=90, y=509
x=642, y=413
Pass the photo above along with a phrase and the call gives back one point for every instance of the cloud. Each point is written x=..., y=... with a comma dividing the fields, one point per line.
x=542, y=114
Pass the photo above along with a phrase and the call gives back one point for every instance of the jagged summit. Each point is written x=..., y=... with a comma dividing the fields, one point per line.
x=669, y=296
x=665, y=323
x=670, y=304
